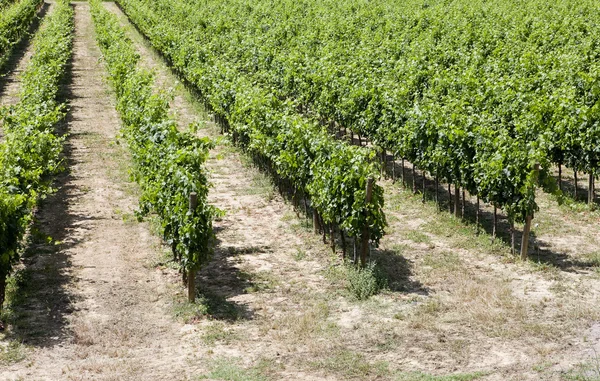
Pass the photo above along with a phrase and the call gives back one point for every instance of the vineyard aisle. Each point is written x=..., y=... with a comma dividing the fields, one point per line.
x=94, y=308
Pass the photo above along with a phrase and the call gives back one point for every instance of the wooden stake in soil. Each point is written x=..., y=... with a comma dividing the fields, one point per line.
x=437, y=198
x=343, y=238
x=403, y=178
x=316, y=223
x=449, y=199
x=477, y=216
x=414, y=179
x=512, y=237
x=191, y=279
x=393, y=169
x=332, y=236
x=423, y=199
x=365, y=236
x=456, y=201
x=495, y=222
x=591, y=189
x=527, y=227
x=462, y=204
x=560, y=176
x=575, y=177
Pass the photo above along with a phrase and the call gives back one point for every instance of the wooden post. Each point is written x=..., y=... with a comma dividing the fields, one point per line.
x=414, y=179
x=527, y=227
x=512, y=237
x=316, y=223
x=423, y=199
x=495, y=222
x=403, y=178
x=343, y=238
x=477, y=216
x=365, y=236
x=575, y=176
x=456, y=201
x=393, y=169
x=191, y=278
x=591, y=189
x=332, y=234
x=437, y=196
x=462, y=205
x=449, y=198
x=560, y=176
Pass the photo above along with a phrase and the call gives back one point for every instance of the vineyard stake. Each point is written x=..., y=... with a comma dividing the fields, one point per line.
x=414, y=178
x=575, y=176
x=449, y=198
x=512, y=237
x=527, y=227
x=456, y=201
x=191, y=276
x=591, y=189
x=332, y=234
x=423, y=199
x=495, y=223
x=365, y=230
x=462, y=205
x=403, y=180
x=316, y=224
x=343, y=238
x=560, y=176
x=477, y=217
x=383, y=164
x=437, y=199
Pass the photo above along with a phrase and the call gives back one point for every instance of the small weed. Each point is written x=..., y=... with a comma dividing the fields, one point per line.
x=418, y=237
x=446, y=261
x=189, y=312
x=230, y=370
x=218, y=332
x=365, y=282
x=418, y=376
x=352, y=365
x=299, y=255
x=12, y=353
x=262, y=281
x=593, y=259
x=589, y=371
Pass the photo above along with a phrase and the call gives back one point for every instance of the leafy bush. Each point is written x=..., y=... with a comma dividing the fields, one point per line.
x=365, y=282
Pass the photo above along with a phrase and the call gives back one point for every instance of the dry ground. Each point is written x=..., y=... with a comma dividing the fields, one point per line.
x=97, y=297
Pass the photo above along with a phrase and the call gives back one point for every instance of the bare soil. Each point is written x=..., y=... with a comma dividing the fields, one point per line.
x=103, y=302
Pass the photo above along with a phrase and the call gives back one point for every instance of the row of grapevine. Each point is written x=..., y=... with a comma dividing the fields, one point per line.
x=475, y=93
x=14, y=22
x=30, y=154
x=332, y=173
x=4, y=3
x=169, y=165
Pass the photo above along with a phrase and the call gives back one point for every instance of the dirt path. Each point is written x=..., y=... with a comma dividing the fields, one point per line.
x=110, y=319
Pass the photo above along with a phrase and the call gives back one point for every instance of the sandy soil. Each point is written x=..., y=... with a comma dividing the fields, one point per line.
x=104, y=303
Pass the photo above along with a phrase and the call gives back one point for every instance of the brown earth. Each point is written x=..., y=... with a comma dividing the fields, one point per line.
x=108, y=305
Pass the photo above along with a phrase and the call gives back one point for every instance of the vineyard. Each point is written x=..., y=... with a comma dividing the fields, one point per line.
x=299, y=190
